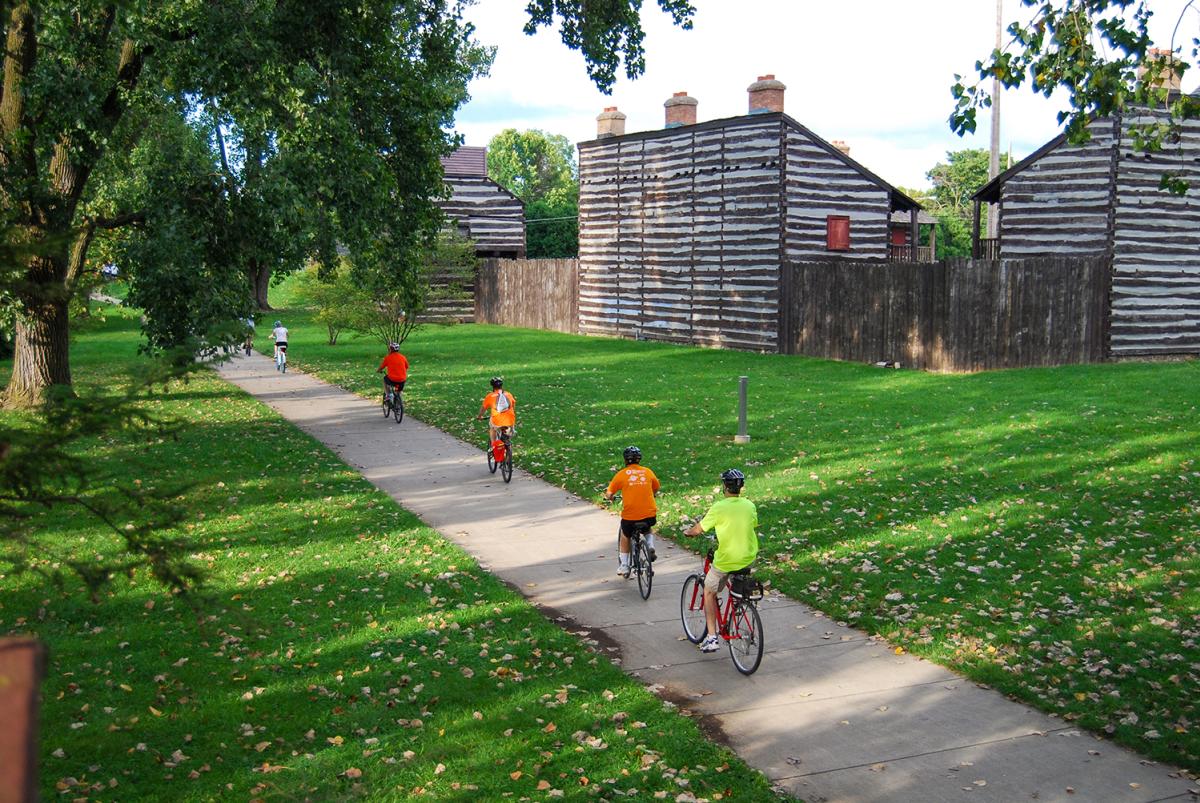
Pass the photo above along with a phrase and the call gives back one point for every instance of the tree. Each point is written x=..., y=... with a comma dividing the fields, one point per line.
x=540, y=169
x=1100, y=52
x=954, y=182
x=361, y=92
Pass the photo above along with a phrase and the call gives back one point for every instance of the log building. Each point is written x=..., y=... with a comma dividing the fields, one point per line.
x=683, y=231
x=480, y=208
x=1102, y=198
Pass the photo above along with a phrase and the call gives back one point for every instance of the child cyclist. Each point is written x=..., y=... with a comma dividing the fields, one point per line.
x=280, y=335
x=396, y=366
x=503, y=409
x=638, y=487
x=737, y=545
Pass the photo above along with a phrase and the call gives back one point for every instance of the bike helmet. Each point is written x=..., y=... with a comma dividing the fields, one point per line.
x=393, y=346
x=632, y=455
x=733, y=480
x=497, y=383
x=278, y=323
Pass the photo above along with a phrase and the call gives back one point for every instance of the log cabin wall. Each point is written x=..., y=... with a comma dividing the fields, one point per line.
x=1156, y=249
x=680, y=234
x=820, y=184
x=1059, y=204
x=487, y=214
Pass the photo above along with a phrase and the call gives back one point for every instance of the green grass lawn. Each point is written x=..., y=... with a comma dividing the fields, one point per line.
x=1035, y=529
x=342, y=648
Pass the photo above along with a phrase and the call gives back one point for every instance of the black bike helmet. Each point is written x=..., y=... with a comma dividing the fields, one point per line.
x=497, y=383
x=733, y=480
x=632, y=455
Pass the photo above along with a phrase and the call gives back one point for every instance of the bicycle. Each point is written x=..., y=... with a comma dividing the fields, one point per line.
x=639, y=559
x=738, y=621
x=281, y=360
x=393, y=404
x=500, y=455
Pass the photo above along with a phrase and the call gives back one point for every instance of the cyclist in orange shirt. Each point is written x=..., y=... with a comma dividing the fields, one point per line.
x=638, y=486
x=396, y=365
x=503, y=408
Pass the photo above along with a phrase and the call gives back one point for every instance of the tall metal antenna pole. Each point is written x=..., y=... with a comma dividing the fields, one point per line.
x=993, y=225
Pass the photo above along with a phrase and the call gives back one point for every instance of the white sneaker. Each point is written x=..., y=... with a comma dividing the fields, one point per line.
x=623, y=570
x=710, y=644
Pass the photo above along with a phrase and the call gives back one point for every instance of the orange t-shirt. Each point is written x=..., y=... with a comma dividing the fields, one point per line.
x=506, y=418
x=637, y=485
x=396, y=365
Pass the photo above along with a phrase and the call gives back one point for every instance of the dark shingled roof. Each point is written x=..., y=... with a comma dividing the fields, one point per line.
x=466, y=161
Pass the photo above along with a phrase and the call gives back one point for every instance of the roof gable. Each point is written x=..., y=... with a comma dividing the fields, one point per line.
x=466, y=161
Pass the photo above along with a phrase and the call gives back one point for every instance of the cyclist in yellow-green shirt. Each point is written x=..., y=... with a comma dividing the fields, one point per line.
x=735, y=519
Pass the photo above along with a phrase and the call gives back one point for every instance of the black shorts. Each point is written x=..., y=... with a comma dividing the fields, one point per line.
x=281, y=346
x=391, y=383
x=627, y=525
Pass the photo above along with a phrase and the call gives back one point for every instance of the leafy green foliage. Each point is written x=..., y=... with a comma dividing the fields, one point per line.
x=609, y=33
x=954, y=182
x=333, y=297
x=1036, y=529
x=343, y=650
x=1094, y=50
x=539, y=168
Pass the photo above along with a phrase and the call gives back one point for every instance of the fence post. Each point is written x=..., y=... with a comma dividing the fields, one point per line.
x=742, y=436
x=22, y=667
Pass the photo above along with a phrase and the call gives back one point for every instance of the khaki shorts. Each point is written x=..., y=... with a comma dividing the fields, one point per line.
x=715, y=580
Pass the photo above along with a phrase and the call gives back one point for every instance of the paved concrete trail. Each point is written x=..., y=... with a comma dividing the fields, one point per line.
x=830, y=715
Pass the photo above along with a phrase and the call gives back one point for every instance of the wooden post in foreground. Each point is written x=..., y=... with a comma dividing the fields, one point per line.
x=22, y=667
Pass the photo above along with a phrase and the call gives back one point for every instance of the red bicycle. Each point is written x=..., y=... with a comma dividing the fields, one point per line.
x=738, y=622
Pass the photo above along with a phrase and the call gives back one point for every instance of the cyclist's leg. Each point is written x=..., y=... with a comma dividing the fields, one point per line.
x=714, y=581
x=622, y=550
x=649, y=536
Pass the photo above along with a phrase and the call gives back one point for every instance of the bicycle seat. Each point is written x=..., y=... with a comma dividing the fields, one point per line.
x=641, y=527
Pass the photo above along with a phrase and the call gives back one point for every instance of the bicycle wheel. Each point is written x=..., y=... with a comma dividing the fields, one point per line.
x=746, y=642
x=398, y=408
x=691, y=609
x=491, y=456
x=387, y=407
x=507, y=465
x=284, y=368
x=645, y=569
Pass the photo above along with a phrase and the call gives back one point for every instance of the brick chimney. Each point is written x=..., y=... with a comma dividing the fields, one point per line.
x=610, y=123
x=1167, y=65
x=681, y=110
x=841, y=145
x=766, y=95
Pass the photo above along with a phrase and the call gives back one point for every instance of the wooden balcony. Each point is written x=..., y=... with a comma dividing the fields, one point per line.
x=904, y=253
x=989, y=248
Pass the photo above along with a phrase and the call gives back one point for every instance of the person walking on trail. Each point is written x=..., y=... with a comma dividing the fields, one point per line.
x=638, y=486
x=735, y=519
x=280, y=335
x=503, y=409
x=395, y=365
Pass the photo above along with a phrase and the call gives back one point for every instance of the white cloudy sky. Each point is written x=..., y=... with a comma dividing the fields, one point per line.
x=875, y=73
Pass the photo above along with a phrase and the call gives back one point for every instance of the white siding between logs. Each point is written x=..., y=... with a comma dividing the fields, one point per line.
x=491, y=217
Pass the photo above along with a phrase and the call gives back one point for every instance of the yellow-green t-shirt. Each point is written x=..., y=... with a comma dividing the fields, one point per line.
x=735, y=519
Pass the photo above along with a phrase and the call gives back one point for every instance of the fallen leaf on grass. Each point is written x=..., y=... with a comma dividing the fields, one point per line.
x=353, y=773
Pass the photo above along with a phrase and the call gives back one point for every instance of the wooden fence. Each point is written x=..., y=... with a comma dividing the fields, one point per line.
x=961, y=315
x=531, y=293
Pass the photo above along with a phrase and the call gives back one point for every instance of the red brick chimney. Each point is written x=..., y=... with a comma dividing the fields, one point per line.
x=766, y=95
x=681, y=110
x=610, y=123
x=1167, y=67
x=841, y=146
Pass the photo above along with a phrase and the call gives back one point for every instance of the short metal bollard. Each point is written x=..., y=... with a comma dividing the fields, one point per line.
x=742, y=435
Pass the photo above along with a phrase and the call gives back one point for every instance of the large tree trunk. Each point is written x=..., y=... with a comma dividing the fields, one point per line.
x=41, y=354
x=260, y=278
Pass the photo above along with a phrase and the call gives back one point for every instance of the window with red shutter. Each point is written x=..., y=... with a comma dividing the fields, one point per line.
x=837, y=233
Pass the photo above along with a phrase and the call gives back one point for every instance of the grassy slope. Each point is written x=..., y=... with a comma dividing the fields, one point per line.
x=1034, y=529
x=341, y=636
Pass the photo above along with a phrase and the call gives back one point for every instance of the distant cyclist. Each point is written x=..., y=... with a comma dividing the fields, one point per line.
x=638, y=487
x=280, y=335
x=737, y=545
x=396, y=366
x=503, y=408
